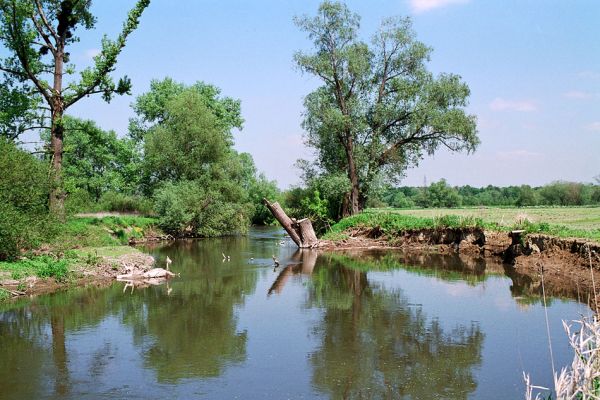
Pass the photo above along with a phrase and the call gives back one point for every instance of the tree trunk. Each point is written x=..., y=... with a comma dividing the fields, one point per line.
x=353, y=205
x=302, y=232
x=284, y=220
x=307, y=233
x=57, y=195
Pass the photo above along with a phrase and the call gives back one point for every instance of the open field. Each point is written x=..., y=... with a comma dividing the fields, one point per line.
x=584, y=218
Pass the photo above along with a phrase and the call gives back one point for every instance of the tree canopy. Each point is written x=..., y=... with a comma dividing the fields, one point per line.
x=36, y=36
x=379, y=110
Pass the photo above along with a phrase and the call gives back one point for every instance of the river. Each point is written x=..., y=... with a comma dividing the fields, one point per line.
x=336, y=326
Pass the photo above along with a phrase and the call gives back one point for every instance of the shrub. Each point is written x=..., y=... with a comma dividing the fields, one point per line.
x=119, y=202
x=23, y=197
x=188, y=209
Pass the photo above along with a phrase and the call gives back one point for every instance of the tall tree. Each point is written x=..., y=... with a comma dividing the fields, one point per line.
x=379, y=109
x=36, y=35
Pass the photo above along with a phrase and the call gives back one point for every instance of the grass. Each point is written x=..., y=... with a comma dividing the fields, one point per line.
x=582, y=218
x=80, y=242
x=79, y=232
x=393, y=221
x=42, y=266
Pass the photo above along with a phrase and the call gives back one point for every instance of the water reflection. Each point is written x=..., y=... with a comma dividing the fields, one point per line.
x=344, y=325
x=375, y=344
x=194, y=333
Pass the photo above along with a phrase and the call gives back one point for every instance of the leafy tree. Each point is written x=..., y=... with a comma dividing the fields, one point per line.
x=97, y=161
x=199, y=182
x=36, y=35
x=262, y=188
x=151, y=107
x=379, y=110
x=439, y=194
x=526, y=197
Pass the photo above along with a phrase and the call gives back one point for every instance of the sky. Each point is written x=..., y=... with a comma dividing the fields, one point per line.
x=533, y=67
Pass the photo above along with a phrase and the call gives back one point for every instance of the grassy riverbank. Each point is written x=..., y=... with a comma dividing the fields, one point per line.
x=80, y=244
x=564, y=222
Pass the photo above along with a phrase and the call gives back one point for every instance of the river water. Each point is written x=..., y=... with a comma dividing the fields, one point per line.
x=361, y=326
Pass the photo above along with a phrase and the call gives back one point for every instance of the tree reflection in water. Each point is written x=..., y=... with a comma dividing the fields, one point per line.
x=194, y=331
x=374, y=344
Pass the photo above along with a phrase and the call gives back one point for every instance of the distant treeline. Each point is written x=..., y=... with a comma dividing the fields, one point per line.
x=440, y=194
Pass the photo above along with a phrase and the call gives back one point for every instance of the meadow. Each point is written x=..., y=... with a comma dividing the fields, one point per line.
x=581, y=218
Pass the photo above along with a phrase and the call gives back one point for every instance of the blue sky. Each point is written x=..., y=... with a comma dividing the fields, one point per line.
x=533, y=68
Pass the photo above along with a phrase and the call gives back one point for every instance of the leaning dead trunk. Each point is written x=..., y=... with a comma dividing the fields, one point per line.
x=301, y=232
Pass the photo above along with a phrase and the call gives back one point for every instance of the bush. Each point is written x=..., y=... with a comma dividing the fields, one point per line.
x=119, y=202
x=23, y=198
x=189, y=209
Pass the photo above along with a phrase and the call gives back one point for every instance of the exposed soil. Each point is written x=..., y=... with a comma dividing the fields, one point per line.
x=568, y=267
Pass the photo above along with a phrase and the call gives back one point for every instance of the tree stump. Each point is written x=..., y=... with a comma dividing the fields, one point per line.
x=301, y=232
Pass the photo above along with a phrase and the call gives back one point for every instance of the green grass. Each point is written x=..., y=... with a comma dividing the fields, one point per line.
x=100, y=232
x=393, y=222
x=79, y=242
x=42, y=266
x=582, y=218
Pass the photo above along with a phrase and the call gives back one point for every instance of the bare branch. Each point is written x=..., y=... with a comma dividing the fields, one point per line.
x=44, y=35
x=45, y=20
x=20, y=51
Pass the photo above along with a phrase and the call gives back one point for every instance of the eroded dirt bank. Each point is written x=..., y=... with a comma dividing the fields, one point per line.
x=568, y=267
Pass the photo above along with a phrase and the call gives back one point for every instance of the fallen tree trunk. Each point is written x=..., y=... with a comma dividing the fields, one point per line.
x=301, y=232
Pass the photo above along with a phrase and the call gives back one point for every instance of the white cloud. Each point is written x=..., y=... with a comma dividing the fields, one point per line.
x=500, y=104
x=91, y=53
x=594, y=126
x=577, y=94
x=420, y=6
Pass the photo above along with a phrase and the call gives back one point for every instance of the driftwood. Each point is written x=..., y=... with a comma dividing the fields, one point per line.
x=301, y=232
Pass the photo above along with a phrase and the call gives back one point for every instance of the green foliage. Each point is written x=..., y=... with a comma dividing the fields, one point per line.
x=97, y=162
x=317, y=209
x=152, y=109
x=391, y=223
x=18, y=110
x=119, y=202
x=36, y=37
x=262, y=188
x=199, y=183
x=379, y=110
x=23, y=196
x=187, y=208
x=41, y=266
x=439, y=194
x=566, y=194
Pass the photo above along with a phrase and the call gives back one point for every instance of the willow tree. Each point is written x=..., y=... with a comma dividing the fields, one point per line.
x=378, y=110
x=36, y=35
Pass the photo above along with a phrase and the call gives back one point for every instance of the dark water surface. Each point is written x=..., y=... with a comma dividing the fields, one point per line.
x=380, y=325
